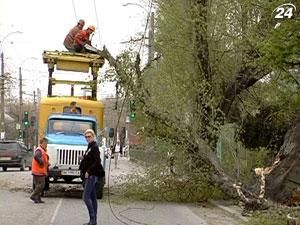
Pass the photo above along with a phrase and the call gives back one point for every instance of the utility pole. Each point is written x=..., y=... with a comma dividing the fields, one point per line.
x=34, y=141
x=2, y=122
x=151, y=39
x=36, y=126
x=126, y=148
x=2, y=116
x=20, y=99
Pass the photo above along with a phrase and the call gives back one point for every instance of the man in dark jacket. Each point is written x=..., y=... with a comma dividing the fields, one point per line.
x=92, y=170
x=69, y=39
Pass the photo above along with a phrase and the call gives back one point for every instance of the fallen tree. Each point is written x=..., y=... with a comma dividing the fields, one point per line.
x=279, y=182
x=212, y=105
x=283, y=179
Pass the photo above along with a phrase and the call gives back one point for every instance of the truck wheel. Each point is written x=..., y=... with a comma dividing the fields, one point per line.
x=4, y=168
x=100, y=187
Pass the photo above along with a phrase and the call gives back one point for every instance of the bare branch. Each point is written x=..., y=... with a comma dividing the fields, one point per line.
x=133, y=40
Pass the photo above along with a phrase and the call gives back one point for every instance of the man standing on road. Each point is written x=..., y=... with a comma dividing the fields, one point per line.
x=69, y=39
x=40, y=163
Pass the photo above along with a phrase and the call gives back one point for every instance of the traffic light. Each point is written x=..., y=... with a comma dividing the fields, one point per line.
x=25, y=119
x=32, y=120
x=132, y=115
x=132, y=109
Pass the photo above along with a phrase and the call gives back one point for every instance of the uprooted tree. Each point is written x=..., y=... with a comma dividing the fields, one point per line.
x=212, y=54
x=283, y=179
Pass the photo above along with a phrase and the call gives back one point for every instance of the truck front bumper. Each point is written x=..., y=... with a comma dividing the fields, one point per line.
x=63, y=173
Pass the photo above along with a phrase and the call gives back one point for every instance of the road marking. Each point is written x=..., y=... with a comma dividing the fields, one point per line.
x=56, y=211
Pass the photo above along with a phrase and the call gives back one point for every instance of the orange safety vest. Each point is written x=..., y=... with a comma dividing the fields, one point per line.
x=36, y=168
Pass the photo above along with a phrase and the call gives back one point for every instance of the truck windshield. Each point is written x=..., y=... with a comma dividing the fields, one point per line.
x=56, y=126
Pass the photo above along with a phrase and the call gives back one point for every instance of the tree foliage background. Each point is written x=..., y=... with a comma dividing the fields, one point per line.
x=220, y=63
x=224, y=61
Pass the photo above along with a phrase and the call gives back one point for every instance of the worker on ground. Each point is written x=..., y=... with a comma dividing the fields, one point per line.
x=39, y=170
x=69, y=39
x=82, y=38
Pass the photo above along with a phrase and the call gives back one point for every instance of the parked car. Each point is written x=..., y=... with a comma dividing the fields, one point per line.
x=14, y=153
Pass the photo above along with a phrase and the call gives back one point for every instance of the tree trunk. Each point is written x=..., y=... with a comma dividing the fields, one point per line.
x=218, y=177
x=284, y=179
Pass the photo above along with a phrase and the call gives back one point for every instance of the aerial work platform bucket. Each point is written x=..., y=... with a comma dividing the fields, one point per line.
x=76, y=62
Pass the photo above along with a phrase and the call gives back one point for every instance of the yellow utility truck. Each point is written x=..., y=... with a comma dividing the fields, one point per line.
x=63, y=119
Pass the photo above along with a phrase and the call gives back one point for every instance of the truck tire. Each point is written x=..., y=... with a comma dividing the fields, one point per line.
x=100, y=187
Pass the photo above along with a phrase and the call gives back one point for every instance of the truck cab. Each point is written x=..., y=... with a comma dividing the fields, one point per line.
x=66, y=144
x=64, y=129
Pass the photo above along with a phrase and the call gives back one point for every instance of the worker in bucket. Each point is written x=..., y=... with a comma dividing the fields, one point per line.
x=82, y=38
x=69, y=39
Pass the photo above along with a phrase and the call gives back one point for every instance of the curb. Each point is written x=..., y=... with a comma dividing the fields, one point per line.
x=229, y=210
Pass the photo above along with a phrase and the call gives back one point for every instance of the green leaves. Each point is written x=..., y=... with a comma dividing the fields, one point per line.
x=281, y=48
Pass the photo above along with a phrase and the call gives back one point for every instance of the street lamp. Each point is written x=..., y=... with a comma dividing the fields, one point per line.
x=6, y=36
x=150, y=19
x=2, y=118
x=135, y=4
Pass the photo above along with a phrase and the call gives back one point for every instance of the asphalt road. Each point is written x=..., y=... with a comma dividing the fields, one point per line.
x=17, y=208
x=59, y=209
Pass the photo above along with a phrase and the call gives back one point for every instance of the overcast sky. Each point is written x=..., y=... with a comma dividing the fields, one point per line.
x=44, y=25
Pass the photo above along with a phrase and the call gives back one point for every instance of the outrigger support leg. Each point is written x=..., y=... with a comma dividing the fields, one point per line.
x=50, y=69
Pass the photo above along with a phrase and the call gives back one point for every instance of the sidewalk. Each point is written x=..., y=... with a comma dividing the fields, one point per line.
x=230, y=208
x=124, y=168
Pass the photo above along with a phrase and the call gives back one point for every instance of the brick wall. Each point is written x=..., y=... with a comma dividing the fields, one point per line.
x=111, y=115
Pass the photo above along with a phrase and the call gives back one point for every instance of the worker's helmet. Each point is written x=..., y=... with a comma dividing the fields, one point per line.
x=92, y=28
x=81, y=22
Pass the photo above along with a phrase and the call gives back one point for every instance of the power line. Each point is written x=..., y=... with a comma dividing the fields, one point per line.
x=146, y=27
x=117, y=125
x=74, y=9
x=97, y=20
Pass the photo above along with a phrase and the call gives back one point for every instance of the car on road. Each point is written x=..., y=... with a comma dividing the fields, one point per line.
x=14, y=153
